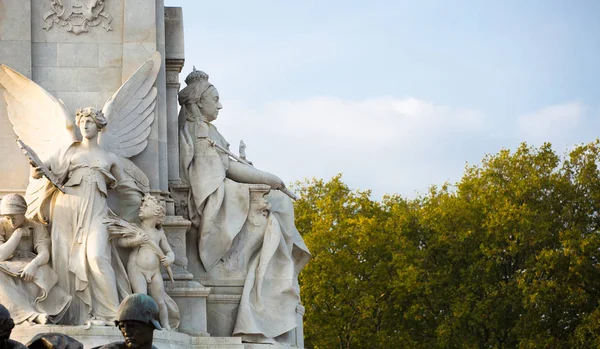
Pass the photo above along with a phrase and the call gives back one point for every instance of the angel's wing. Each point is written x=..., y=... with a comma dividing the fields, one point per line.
x=130, y=111
x=38, y=118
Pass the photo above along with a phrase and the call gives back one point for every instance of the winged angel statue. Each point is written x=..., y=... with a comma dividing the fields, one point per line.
x=87, y=154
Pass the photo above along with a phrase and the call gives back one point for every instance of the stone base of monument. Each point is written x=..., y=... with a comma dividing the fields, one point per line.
x=100, y=335
x=190, y=297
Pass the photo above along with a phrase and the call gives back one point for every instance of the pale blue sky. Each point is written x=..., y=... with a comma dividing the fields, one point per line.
x=397, y=95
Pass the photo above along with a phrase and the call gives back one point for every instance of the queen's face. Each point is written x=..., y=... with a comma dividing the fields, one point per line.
x=88, y=127
x=210, y=104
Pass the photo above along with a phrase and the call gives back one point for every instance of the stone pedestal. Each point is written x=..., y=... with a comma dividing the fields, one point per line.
x=100, y=335
x=176, y=228
x=190, y=297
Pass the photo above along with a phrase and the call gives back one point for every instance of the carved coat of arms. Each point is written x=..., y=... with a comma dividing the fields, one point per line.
x=77, y=15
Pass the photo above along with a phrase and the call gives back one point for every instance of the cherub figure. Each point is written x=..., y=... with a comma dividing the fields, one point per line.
x=150, y=250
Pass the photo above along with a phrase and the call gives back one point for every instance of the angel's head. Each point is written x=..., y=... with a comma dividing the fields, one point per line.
x=151, y=208
x=200, y=96
x=90, y=121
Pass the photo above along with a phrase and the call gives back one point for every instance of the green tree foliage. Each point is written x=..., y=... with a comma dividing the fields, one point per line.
x=506, y=258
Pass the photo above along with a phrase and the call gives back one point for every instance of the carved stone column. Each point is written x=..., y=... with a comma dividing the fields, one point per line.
x=175, y=58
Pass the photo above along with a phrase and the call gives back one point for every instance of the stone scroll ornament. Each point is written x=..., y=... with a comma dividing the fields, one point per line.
x=77, y=15
x=88, y=157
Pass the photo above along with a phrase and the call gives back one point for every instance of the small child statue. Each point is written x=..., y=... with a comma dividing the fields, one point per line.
x=150, y=248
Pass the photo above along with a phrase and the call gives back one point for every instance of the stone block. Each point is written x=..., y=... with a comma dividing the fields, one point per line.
x=110, y=55
x=139, y=21
x=134, y=55
x=17, y=55
x=44, y=54
x=15, y=20
x=190, y=297
x=99, y=79
x=55, y=79
x=74, y=100
x=77, y=55
x=221, y=314
x=176, y=228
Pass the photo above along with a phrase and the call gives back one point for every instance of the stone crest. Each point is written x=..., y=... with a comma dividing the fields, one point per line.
x=77, y=15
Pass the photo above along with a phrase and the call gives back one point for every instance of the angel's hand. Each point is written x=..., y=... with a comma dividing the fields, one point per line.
x=36, y=172
x=167, y=260
x=29, y=271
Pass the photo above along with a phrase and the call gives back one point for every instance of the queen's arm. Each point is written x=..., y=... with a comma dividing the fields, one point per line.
x=247, y=174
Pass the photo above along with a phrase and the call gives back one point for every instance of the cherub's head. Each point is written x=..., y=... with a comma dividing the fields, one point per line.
x=90, y=121
x=151, y=208
x=13, y=208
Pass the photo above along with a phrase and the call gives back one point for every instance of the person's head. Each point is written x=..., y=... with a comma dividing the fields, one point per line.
x=137, y=318
x=151, y=208
x=6, y=324
x=200, y=96
x=13, y=208
x=90, y=121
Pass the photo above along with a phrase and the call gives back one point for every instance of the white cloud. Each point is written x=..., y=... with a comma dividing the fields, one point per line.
x=386, y=144
x=389, y=145
x=555, y=123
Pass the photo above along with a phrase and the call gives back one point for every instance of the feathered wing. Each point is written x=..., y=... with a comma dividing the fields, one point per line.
x=42, y=122
x=39, y=119
x=130, y=111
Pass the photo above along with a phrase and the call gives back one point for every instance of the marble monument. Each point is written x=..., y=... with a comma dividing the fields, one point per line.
x=118, y=183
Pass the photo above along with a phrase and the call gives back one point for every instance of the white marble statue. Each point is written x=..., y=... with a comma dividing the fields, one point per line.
x=150, y=249
x=219, y=206
x=27, y=283
x=84, y=258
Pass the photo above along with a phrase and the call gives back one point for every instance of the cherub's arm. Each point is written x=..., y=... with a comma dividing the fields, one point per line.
x=8, y=248
x=164, y=245
x=132, y=241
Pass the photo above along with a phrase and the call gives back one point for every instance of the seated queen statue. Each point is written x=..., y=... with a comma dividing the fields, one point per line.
x=28, y=286
x=219, y=205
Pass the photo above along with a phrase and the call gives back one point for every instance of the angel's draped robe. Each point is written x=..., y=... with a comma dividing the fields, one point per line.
x=86, y=261
x=219, y=208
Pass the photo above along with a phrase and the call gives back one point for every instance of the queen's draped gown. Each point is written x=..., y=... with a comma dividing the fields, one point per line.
x=219, y=207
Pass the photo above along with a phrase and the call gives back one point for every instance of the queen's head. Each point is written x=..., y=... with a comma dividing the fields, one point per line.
x=199, y=99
